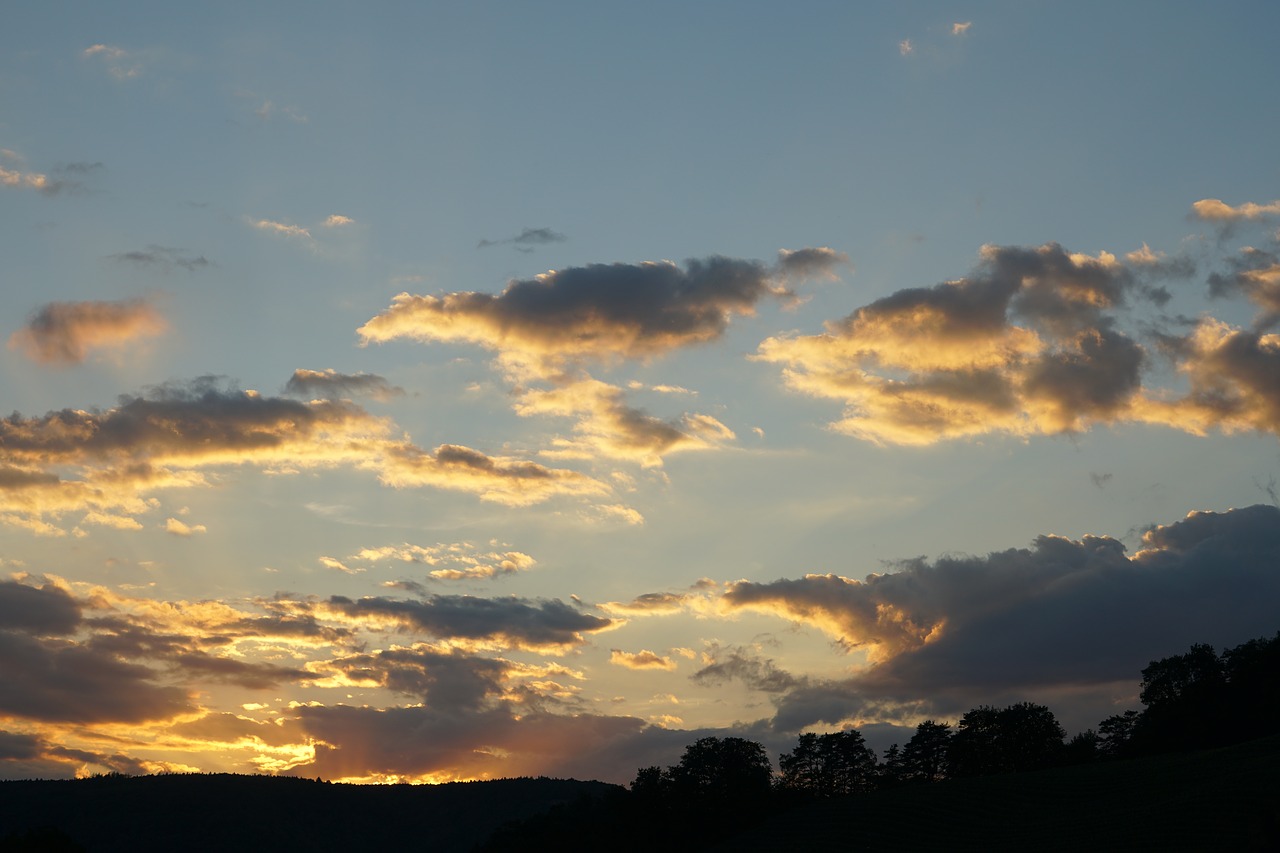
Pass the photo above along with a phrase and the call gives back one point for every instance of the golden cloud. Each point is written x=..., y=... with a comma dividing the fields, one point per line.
x=65, y=332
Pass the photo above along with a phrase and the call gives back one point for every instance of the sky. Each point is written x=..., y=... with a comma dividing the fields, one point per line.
x=431, y=392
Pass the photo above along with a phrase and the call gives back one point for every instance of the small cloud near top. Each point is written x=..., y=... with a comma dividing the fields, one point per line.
x=336, y=220
x=526, y=239
x=959, y=29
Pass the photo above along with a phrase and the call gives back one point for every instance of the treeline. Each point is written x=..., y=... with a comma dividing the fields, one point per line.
x=720, y=785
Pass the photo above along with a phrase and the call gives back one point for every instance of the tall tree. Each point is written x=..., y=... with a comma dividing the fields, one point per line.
x=1183, y=695
x=924, y=759
x=829, y=764
x=1025, y=736
x=723, y=770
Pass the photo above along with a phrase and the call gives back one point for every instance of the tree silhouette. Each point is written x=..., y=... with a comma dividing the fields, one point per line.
x=1183, y=695
x=1115, y=734
x=1025, y=736
x=722, y=770
x=829, y=765
x=924, y=758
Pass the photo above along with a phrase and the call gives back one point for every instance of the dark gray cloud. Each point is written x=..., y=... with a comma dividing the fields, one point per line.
x=1062, y=615
x=446, y=682
x=600, y=310
x=526, y=239
x=60, y=681
x=163, y=257
x=521, y=623
x=1095, y=381
x=329, y=384
x=184, y=417
x=43, y=611
x=203, y=667
x=1256, y=275
x=816, y=261
x=730, y=663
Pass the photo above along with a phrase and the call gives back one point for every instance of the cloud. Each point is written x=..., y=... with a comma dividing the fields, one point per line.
x=545, y=329
x=1216, y=210
x=27, y=180
x=819, y=262
x=180, y=528
x=422, y=744
x=504, y=480
x=550, y=626
x=906, y=48
x=607, y=426
x=163, y=257
x=960, y=29
x=1064, y=614
x=649, y=604
x=64, y=332
x=169, y=437
x=1234, y=377
x=600, y=312
x=444, y=678
x=453, y=561
x=336, y=220
x=643, y=659
x=119, y=63
x=57, y=680
x=40, y=182
x=282, y=229
x=329, y=384
x=1029, y=343
x=526, y=239
x=47, y=610
x=728, y=663
x=1256, y=274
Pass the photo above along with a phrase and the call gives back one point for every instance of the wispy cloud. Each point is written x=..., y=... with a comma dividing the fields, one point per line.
x=118, y=62
x=163, y=257
x=527, y=239
x=63, y=333
x=282, y=229
x=960, y=29
x=329, y=384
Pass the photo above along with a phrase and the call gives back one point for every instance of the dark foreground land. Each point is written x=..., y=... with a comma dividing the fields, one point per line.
x=222, y=812
x=1219, y=800
x=1223, y=799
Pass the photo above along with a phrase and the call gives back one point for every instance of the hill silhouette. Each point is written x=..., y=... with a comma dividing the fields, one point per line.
x=220, y=812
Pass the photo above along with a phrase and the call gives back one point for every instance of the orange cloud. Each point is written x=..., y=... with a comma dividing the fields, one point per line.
x=643, y=659
x=1025, y=345
x=110, y=462
x=1216, y=210
x=64, y=332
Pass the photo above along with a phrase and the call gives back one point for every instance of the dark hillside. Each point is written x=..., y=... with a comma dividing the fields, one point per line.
x=227, y=812
x=1224, y=799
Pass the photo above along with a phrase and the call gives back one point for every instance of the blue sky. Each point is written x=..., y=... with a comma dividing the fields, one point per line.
x=529, y=377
